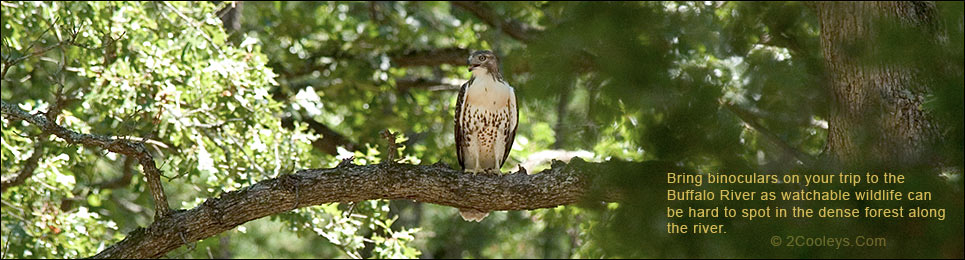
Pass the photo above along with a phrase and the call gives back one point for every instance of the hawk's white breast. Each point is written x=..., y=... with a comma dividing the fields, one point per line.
x=488, y=120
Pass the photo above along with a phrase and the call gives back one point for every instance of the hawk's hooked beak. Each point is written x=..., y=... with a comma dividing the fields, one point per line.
x=473, y=66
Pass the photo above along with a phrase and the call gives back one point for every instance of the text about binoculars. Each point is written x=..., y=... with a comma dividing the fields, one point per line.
x=697, y=203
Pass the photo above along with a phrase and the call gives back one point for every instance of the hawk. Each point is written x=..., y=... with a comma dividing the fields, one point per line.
x=486, y=119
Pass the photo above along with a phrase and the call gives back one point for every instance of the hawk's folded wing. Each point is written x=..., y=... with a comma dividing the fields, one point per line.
x=459, y=135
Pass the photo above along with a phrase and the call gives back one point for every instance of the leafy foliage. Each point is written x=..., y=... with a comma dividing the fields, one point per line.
x=638, y=81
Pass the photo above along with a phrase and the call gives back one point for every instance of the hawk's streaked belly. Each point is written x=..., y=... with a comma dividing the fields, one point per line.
x=488, y=119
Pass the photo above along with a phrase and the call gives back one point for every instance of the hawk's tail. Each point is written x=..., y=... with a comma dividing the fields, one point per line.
x=473, y=215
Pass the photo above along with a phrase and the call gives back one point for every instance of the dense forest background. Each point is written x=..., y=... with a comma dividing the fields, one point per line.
x=224, y=95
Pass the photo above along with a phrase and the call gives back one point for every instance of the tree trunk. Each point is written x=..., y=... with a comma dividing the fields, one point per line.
x=231, y=17
x=876, y=116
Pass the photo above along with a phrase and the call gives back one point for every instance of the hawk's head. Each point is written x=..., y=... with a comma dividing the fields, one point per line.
x=484, y=59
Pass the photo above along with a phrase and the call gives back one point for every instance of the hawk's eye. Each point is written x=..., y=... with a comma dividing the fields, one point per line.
x=482, y=58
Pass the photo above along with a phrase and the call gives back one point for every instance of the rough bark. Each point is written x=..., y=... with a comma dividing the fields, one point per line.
x=563, y=184
x=876, y=115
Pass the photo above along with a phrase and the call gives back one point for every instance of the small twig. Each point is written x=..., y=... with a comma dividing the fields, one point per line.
x=194, y=24
x=28, y=167
x=351, y=209
x=218, y=143
x=31, y=164
x=393, y=150
x=346, y=162
x=110, y=143
x=346, y=251
x=9, y=63
x=244, y=154
x=190, y=248
x=19, y=209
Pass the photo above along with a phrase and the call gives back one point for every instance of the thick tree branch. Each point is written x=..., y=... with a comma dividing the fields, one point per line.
x=28, y=167
x=519, y=31
x=435, y=57
x=405, y=84
x=522, y=32
x=231, y=16
x=452, y=56
x=111, y=143
x=408, y=58
x=562, y=184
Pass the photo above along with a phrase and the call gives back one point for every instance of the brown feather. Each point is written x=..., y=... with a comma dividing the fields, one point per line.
x=511, y=137
x=458, y=120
